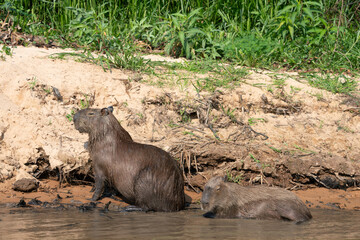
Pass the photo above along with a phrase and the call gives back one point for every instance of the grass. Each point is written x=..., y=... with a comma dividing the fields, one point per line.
x=275, y=149
x=254, y=158
x=232, y=178
x=253, y=121
x=5, y=51
x=188, y=133
x=294, y=89
x=319, y=96
x=335, y=83
x=140, y=115
x=83, y=105
x=303, y=150
x=229, y=112
x=48, y=91
x=214, y=75
x=341, y=127
x=70, y=115
x=32, y=83
x=185, y=117
x=279, y=82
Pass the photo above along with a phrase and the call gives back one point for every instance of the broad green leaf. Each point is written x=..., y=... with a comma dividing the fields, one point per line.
x=286, y=9
x=281, y=23
x=309, y=13
x=322, y=33
x=313, y=3
x=182, y=37
x=169, y=46
x=194, y=31
x=194, y=12
x=315, y=30
x=175, y=22
x=324, y=22
x=178, y=14
x=142, y=21
x=248, y=25
x=193, y=21
x=291, y=30
x=187, y=51
x=79, y=26
x=223, y=16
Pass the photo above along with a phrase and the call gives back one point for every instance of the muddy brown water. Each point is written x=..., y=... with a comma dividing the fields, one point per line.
x=188, y=224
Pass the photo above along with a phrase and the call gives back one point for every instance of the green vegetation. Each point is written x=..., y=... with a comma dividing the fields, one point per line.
x=343, y=127
x=253, y=121
x=295, y=34
x=275, y=149
x=228, y=112
x=83, y=104
x=188, y=133
x=279, y=82
x=254, y=158
x=185, y=117
x=5, y=51
x=32, y=83
x=236, y=179
x=335, y=83
x=303, y=150
x=70, y=115
x=216, y=74
x=48, y=91
x=319, y=96
x=140, y=115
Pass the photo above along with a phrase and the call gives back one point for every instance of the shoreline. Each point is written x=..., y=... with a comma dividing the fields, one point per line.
x=50, y=193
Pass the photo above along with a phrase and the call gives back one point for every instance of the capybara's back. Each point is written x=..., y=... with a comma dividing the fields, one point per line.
x=144, y=175
x=230, y=200
x=159, y=185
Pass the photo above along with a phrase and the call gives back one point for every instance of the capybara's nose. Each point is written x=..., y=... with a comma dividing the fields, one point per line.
x=203, y=205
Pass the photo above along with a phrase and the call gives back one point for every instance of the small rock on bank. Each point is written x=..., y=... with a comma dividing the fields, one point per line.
x=25, y=185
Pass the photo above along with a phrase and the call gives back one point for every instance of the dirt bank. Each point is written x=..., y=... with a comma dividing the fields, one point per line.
x=283, y=133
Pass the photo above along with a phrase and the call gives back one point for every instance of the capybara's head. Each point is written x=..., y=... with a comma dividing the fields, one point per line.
x=99, y=123
x=212, y=189
x=91, y=120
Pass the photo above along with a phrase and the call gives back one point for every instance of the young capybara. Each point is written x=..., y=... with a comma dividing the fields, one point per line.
x=223, y=199
x=145, y=175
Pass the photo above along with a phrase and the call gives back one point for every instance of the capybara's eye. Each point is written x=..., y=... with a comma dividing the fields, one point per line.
x=90, y=113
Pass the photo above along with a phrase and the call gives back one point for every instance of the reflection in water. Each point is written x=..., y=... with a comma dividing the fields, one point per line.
x=73, y=224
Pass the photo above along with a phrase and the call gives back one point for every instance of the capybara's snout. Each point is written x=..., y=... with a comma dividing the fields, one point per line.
x=204, y=205
x=76, y=117
x=204, y=202
x=77, y=122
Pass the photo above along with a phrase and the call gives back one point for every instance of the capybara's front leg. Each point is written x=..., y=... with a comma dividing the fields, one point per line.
x=99, y=186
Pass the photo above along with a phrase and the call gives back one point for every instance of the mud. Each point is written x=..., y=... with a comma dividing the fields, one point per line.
x=259, y=132
x=50, y=194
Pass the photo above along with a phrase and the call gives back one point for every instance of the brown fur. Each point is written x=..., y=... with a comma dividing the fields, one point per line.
x=145, y=176
x=230, y=200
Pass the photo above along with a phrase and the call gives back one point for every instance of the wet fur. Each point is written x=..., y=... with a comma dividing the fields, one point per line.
x=144, y=175
x=230, y=200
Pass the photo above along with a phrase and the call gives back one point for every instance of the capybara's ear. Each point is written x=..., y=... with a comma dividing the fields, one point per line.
x=104, y=112
x=111, y=108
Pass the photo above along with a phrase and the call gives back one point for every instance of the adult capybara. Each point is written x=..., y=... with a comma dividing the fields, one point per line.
x=144, y=175
x=225, y=199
